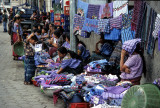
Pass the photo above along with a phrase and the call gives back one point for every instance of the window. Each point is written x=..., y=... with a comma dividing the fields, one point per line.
x=7, y=2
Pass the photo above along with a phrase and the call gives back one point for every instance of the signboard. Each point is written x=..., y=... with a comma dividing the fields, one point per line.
x=97, y=1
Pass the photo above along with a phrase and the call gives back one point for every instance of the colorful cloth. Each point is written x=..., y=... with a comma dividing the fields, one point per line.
x=17, y=28
x=72, y=63
x=159, y=40
x=157, y=26
x=78, y=21
x=93, y=11
x=115, y=34
x=135, y=64
x=103, y=25
x=90, y=25
x=120, y=7
x=66, y=45
x=106, y=11
x=127, y=34
x=116, y=22
x=82, y=8
x=126, y=19
x=130, y=45
x=157, y=82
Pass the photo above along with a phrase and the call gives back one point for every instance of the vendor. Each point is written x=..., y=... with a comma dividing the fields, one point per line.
x=66, y=44
x=70, y=61
x=104, y=52
x=134, y=66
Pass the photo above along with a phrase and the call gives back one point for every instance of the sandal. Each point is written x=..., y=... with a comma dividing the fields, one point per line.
x=25, y=83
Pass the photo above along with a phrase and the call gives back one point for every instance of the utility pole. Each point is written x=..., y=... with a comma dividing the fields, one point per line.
x=72, y=36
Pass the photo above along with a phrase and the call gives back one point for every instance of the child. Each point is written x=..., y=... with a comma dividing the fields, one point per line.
x=70, y=61
x=104, y=52
x=66, y=44
x=38, y=34
x=44, y=34
x=29, y=58
x=25, y=33
x=134, y=66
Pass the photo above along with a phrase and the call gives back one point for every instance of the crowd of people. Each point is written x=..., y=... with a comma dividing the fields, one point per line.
x=56, y=43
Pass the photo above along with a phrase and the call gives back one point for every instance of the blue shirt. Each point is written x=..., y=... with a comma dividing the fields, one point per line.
x=106, y=49
x=72, y=63
x=17, y=28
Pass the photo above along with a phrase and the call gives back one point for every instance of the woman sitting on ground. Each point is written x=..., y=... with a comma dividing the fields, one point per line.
x=70, y=62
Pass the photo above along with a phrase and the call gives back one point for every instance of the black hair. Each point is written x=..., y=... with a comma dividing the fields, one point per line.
x=35, y=30
x=67, y=36
x=63, y=50
x=80, y=42
x=57, y=33
x=45, y=29
x=61, y=29
x=140, y=52
x=106, y=41
x=17, y=18
x=39, y=31
x=34, y=38
x=34, y=11
x=53, y=26
x=36, y=26
x=4, y=11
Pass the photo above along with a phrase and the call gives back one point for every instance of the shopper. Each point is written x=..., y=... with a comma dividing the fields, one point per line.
x=70, y=62
x=30, y=67
x=134, y=66
x=17, y=33
x=5, y=19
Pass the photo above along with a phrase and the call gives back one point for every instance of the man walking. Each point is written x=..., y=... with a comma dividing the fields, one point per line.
x=5, y=18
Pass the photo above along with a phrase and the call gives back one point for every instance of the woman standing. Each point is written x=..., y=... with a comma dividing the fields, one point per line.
x=17, y=33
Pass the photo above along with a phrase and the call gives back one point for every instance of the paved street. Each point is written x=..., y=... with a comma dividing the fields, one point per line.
x=13, y=93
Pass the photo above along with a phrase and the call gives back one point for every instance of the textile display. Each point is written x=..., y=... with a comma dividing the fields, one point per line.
x=120, y=7
x=116, y=22
x=90, y=25
x=126, y=19
x=82, y=8
x=157, y=26
x=93, y=11
x=103, y=26
x=159, y=40
x=106, y=11
x=115, y=34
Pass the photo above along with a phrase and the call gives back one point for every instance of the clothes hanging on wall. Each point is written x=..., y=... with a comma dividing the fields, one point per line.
x=159, y=40
x=90, y=25
x=103, y=26
x=115, y=35
x=120, y=7
x=126, y=32
x=116, y=22
x=157, y=26
x=82, y=8
x=93, y=11
x=106, y=11
x=151, y=39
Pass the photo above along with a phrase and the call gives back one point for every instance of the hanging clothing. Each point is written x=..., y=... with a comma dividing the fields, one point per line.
x=115, y=34
x=159, y=40
x=82, y=8
x=151, y=39
x=157, y=26
x=90, y=25
x=126, y=32
x=116, y=22
x=120, y=7
x=103, y=26
x=106, y=11
x=93, y=11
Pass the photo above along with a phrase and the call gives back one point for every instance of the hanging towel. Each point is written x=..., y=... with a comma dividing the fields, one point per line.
x=116, y=22
x=82, y=8
x=90, y=25
x=115, y=34
x=126, y=19
x=93, y=11
x=103, y=25
x=157, y=26
x=106, y=10
x=159, y=40
x=120, y=7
